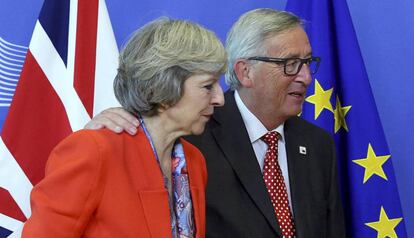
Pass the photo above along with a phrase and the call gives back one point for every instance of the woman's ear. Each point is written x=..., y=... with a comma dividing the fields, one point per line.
x=242, y=69
x=162, y=107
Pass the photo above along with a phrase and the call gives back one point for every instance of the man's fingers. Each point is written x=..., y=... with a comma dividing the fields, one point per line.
x=100, y=121
x=116, y=120
x=118, y=111
x=93, y=125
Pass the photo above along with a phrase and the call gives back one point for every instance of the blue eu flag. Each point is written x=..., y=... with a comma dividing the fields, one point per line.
x=340, y=101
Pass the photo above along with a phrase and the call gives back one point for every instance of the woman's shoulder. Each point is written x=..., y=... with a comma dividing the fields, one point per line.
x=84, y=142
x=103, y=136
x=96, y=142
x=90, y=146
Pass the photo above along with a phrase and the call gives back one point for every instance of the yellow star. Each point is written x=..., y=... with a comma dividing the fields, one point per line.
x=372, y=164
x=339, y=115
x=321, y=99
x=385, y=227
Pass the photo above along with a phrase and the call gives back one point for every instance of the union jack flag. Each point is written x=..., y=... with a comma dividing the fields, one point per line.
x=66, y=78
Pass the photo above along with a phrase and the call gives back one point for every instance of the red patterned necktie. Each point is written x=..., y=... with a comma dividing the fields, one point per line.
x=272, y=175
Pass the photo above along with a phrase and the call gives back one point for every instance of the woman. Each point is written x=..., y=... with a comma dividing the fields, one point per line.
x=102, y=184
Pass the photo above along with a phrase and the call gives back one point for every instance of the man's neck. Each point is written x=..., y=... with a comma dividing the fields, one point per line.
x=265, y=113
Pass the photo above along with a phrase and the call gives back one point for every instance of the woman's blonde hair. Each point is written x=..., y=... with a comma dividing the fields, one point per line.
x=157, y=60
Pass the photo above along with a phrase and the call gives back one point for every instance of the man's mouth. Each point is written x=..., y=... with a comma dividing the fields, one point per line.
x=297, y=94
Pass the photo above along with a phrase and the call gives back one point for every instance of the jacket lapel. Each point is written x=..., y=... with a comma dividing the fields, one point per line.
x=149, y=184
x=197, y=195
x=298, y=151
x=233, y=139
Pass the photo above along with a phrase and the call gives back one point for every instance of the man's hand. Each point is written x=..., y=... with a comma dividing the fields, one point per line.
x=116, y=120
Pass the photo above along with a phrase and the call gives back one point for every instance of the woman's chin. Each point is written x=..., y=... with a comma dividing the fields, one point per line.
x=199, y=130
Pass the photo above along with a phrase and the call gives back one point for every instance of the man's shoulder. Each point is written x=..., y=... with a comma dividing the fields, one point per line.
x=300, y=125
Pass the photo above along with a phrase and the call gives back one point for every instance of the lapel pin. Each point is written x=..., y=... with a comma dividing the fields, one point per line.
x=302, y=150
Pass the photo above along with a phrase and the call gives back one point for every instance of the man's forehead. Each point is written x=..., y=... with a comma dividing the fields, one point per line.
x=290, y=43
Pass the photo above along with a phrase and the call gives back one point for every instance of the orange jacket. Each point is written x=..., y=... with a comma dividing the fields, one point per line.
x=102, y=184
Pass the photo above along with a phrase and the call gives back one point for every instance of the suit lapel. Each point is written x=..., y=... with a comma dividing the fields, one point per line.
x=298, y=151
x=233, y=139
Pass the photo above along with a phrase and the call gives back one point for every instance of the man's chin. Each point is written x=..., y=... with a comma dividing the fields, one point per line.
x=295, y=112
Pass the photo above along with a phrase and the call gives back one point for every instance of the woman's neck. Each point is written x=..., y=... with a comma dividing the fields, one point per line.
x=162, y=134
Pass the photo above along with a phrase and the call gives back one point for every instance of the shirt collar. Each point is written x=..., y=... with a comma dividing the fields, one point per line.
x=254, y=126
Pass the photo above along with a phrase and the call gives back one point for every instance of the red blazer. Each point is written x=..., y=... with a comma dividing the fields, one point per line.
x=101, y=184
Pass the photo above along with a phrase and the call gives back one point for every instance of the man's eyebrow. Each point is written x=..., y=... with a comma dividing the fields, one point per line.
x=295, y=55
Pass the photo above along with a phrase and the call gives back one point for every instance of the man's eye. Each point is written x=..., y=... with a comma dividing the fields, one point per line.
x=209, y=87
x=292, y=62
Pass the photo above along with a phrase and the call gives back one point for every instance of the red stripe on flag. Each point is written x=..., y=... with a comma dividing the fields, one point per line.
x=85, y=54
x=36, y=121
x=9, y=206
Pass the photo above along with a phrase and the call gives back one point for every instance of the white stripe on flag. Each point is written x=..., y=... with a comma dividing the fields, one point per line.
x=73, y=18
x=17, y=233
x=106, y=62
x=53, y=67
x=13, y=179
x=10, y=224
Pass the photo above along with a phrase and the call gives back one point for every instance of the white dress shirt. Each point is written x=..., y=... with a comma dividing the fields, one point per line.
x=256, y=130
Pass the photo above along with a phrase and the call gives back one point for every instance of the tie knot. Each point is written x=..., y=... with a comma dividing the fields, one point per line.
x=271, y=138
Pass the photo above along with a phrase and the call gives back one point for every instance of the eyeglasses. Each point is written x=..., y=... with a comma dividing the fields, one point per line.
x=292, y=66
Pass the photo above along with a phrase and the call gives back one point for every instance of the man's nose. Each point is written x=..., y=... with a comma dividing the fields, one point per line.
x=305, y=75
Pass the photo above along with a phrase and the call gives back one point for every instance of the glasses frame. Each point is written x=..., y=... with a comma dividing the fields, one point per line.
x=279, y=61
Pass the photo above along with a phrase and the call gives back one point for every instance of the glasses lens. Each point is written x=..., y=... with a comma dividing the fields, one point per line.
x=292, y=66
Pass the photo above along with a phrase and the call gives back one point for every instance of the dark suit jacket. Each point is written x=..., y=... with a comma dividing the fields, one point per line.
x=238, y=204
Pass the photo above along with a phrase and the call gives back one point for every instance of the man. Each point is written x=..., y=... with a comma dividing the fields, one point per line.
x=270, y=67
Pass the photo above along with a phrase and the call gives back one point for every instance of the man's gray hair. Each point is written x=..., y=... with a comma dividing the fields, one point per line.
x=157, y=60
x=248, y=34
